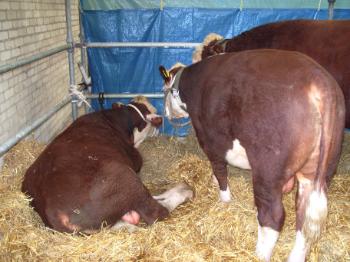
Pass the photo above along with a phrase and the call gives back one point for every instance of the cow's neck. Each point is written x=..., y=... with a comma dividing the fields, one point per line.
x=121, y=122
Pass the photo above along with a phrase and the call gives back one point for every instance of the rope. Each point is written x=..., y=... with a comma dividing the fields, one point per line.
x=138, y=111
x=174, y=124
x=101, y=100
x=318, y=9
x=74, y=92
x=241, y=6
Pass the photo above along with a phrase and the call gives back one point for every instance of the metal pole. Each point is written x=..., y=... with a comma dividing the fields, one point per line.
x=94, y=96
x=28, y=129
x=139, y=44
x=70, y=43
x=330, y=9
x=83, y=55
x=10, y=66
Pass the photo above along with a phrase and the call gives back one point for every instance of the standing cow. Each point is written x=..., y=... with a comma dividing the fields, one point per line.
x=275, y=112
x=325, y=41
x=87, y=175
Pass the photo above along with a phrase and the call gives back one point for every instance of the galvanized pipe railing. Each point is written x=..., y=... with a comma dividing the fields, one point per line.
x=21, y=62
x=138, y=44
x=94, y=96
x=28, y=129
x=13, y=65
x=70, y=43
x=330, y=9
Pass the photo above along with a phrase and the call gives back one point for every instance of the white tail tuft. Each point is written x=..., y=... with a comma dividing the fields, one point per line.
x=315, y=215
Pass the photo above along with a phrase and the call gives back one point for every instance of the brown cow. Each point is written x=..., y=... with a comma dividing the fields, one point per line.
x=87, y=175
x=276, y=112
x=325, y=41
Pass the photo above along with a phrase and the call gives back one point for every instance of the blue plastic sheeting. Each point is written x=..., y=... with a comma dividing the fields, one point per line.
x=135, y=70
x=242, y=4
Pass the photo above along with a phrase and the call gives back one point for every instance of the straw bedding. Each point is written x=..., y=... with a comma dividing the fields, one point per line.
x=200, y=230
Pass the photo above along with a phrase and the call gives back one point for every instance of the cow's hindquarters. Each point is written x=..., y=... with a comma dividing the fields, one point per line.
x=312, y=182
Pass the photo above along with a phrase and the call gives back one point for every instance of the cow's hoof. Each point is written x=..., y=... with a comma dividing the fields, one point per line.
x=225, y=196
x=175, y=196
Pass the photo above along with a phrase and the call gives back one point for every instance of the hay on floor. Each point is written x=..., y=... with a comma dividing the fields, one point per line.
x=201, y=230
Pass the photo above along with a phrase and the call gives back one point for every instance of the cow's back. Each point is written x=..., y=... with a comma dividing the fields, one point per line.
x=264, y=91
x=67, y=172
x=327, y=42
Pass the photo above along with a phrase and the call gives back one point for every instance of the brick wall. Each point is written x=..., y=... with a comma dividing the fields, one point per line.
x=28, y=27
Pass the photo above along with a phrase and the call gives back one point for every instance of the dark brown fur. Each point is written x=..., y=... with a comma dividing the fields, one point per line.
x=327, y=42
x=262, y=98
x=87, y=175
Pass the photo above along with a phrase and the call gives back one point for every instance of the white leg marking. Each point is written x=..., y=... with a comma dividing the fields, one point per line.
x=122, y=224
x=215, y=180
x=315, y=215
x=225, y=196
x=267, y=238
x=237, y=156
x=300, y=249
x=171, y=198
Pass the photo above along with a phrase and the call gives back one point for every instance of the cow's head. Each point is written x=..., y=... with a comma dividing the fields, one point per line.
x=145, y=120
x=174, y=107
x=209, y=47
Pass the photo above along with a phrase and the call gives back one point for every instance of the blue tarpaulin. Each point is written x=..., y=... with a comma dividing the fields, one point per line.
x=135, y=70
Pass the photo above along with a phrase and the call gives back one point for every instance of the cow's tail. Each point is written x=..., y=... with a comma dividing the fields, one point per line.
x=330, y=104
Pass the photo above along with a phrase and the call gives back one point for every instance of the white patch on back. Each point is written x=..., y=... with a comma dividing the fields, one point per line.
x=300, y=249
x=267, y=238
x=175, y=196
x=225, y=196
x=237, y=156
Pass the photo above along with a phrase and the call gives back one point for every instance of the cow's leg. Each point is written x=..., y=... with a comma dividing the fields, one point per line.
x=268, y=200
x=220, y=173
x=175, y=196
x=311, y=212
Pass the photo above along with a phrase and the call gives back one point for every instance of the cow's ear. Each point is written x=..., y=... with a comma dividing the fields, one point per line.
x=156, y=120
x=164, y=73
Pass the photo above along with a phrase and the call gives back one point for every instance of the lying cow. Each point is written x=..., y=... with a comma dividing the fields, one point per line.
x=275, y=112
x=87, y=175
x=325, y=41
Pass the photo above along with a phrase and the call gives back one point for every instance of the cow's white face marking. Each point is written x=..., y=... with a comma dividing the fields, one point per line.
x=139, y=137
x=225, y=196
x=149, y=129
x=267, y=238
x=171, y=198
x=237, y=156
x=174, y=107
x=300, y=249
